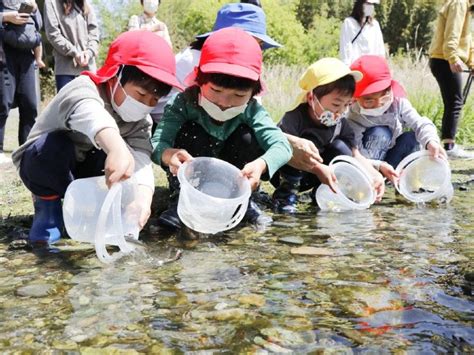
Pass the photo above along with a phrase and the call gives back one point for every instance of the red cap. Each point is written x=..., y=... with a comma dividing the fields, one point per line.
x=144, y=50
x=230, y=51
x=376, y=76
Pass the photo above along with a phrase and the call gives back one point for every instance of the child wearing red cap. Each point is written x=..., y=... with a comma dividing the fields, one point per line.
x=318, y=121
x=98, y=124
x=217, y=116
x=381, y=116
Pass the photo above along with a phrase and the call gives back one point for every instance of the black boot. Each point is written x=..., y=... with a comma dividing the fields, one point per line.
x=285, y=196
x=169, y=217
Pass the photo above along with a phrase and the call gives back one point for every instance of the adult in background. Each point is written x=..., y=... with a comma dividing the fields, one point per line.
x=148, y=21
x=451, y=53
x=361, y=33
x=17, y=74
x=71, y=28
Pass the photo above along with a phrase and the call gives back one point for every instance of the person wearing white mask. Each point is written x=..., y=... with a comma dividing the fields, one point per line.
x=218, y=116
x=148, y=21
x=98, y=124
x=361, y=33
x=387, y=127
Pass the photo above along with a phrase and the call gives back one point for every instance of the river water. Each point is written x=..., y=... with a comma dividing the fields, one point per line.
x=396, y=277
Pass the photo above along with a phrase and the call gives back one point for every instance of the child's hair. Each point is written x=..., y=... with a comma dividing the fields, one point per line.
x=131, y=74
x=229, y=81
x=68, y=5
x=358, y=12
x=197, y=43
x=345, y=86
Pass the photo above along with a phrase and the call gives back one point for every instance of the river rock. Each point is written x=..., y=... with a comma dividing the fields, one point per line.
x=35, y=290
x=311, y=251
x=252, y=299
x=291, y=240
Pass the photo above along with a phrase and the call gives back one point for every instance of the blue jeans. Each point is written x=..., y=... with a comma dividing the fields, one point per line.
x=62, y=80
x=376, y=141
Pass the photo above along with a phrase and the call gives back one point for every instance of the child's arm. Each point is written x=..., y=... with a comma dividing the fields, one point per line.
x=253, y=171
x=119, y=164
x=425, y=130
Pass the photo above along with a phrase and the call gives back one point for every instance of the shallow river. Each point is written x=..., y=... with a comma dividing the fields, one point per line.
x=395, y=277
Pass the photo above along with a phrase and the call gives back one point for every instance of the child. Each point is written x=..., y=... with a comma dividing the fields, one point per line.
x=26, y=36
x=217, y=116
x=319, y=117
x=148, y=21
x=97, y=124
x=381, y=115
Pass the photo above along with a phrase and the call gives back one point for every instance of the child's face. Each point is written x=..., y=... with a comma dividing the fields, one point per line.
x=375, y=100
x=136, y=92
x=334, y=102
x=224, y=97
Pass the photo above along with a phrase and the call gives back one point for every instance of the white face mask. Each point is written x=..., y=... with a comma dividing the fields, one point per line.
x=327, y=118
x=130, y=110
x=368, y=9
x=215, y=111
x=378, y=111
x=150, y=6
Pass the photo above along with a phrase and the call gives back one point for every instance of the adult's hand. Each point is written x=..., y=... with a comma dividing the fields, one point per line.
x=305, y=154
x=457, y=67
x=15, y=17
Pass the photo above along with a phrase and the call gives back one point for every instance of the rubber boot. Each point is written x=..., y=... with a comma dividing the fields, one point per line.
x=169, y=217
x=285, y=196
x=255, y=216
x=47, y=221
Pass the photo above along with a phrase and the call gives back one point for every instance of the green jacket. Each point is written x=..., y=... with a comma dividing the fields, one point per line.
x=184, y=107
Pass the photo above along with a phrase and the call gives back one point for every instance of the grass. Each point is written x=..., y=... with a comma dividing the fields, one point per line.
x=413, y=74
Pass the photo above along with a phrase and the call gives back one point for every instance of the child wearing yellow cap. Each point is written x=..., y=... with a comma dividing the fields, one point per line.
x=318, y=121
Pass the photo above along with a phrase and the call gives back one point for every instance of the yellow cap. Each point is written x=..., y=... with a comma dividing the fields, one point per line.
x=322, y=72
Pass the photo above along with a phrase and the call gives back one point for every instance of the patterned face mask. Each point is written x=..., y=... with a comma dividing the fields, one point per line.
x=327, y=118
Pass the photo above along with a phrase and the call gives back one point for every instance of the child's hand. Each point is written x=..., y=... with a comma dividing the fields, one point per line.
x=326, y=175
x=436, y=151
x=143, y=200
x=177, y=159
x=379, y=185
x=253, y=171
x=388, y=171
x=119, y=165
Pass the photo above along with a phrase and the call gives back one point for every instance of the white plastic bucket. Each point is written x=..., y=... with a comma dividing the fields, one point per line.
x=354, y=187
x=94, y=214
x=423, y=178
x=213, y=195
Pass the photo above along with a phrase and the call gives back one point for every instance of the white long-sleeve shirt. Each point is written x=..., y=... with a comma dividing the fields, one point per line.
x=370, y=40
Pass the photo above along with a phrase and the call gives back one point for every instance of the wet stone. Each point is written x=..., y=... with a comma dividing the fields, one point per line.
x=291, y=240
x=312, y=251
x=35, y=290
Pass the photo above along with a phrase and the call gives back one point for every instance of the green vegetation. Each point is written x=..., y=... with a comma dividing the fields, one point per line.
x=309, y=30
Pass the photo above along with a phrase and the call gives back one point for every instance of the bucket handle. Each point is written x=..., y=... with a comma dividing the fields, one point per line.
x=99, y=238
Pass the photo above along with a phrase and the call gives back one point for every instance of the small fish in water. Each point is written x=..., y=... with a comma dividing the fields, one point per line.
x=422, y=190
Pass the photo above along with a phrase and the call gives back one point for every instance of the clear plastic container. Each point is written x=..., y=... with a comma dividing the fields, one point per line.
x=213, y=195
x=424, y=179
x=94, y=214
x=354, y=187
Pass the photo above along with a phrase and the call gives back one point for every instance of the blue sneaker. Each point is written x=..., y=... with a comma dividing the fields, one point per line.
x=47, y=221
x=169, y=218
